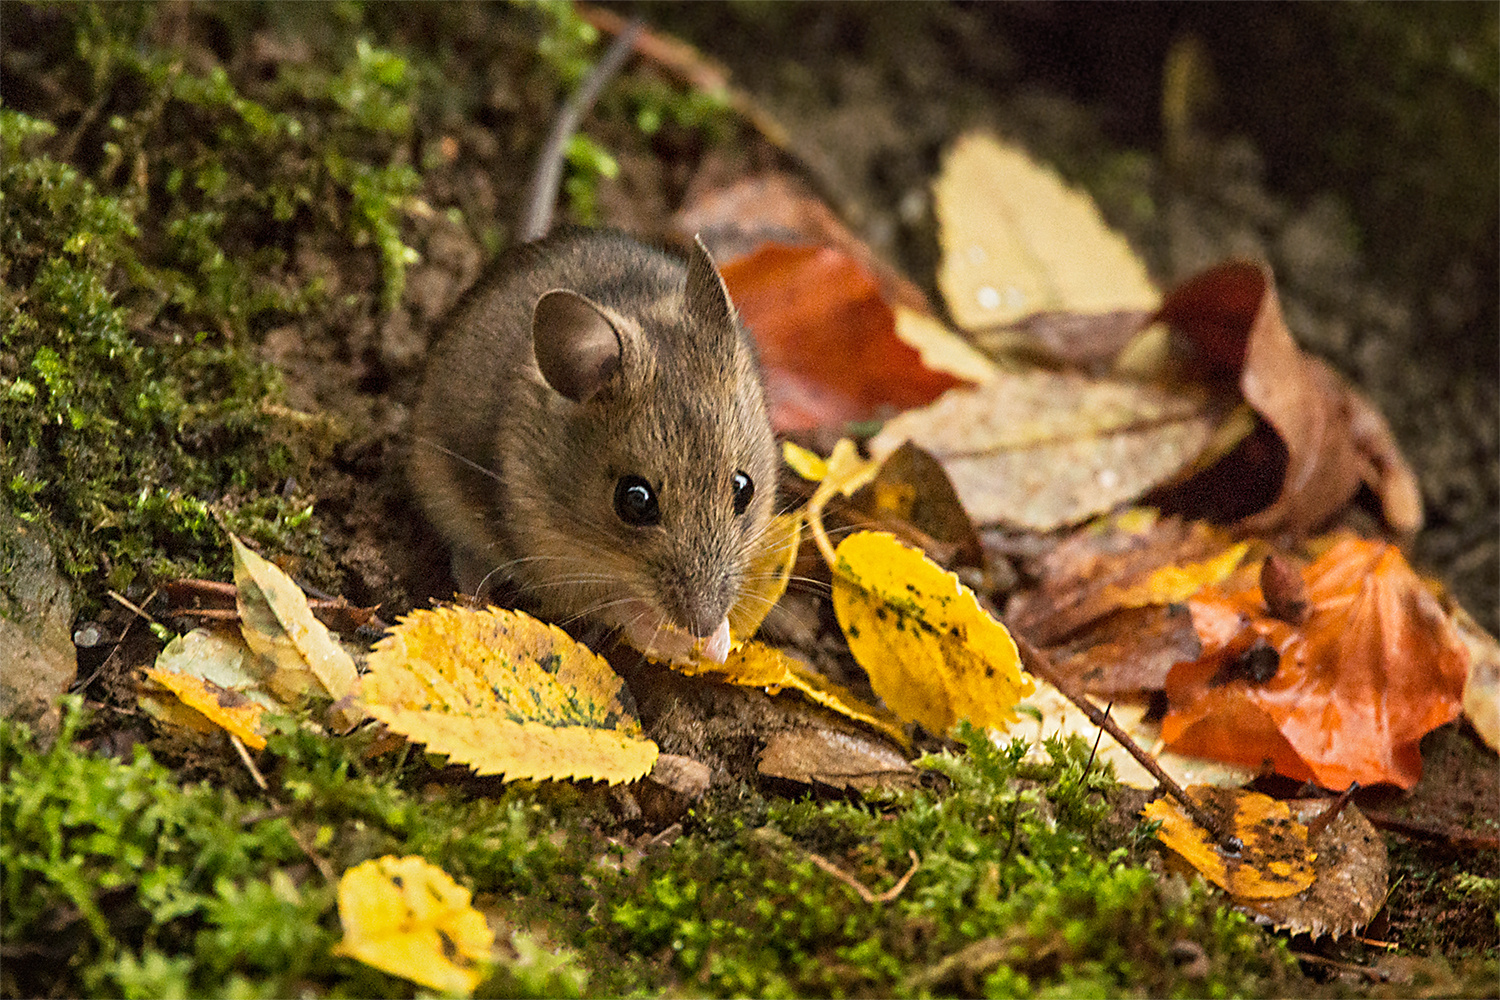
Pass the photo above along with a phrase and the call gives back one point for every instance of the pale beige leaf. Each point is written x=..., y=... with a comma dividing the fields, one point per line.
x=1039, y=450
x=300, y=654
x=1016, y=240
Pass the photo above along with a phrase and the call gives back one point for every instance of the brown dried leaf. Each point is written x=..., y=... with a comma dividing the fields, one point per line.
x=1335, y=440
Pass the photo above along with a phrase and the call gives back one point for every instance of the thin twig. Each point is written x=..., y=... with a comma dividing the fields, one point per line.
x=857, y=886
x=1037, y=663
x=324, y=868
x=249, y=763
x=120, y=599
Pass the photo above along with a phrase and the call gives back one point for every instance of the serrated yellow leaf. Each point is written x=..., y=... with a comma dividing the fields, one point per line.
x=1275, y=862
x=299, y=652
x=807, y=464
x=932, y=653
x=757, y=665
x=770, y=571
x=226, y=709
x=847, y=472
x=409, y=918
x=506, y=694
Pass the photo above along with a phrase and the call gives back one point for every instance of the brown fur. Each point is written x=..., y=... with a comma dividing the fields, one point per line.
x=681, y=407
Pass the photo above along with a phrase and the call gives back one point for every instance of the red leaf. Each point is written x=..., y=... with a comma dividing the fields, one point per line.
x=827, y=338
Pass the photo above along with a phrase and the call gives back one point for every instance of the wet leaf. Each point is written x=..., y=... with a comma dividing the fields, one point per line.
x=407, y=917
x=1482, y=687
x=1016, y=240
x=506, y=694
x=298, y=653
x=1276, y=860
x=1041, y=450
x=828, y=346
x=1375, y=666
x=931, y=652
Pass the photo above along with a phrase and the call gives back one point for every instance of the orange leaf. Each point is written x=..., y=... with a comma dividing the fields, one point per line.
x=827, y=338
x=1375, y=666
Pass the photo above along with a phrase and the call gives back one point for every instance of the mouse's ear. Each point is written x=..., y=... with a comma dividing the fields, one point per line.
x=707, y=296
x=577, y=347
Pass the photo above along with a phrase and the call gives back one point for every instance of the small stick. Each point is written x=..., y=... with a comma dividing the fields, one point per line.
x=857, y=886
x=249, y=763
x=1037, y=663
x=1320, y=822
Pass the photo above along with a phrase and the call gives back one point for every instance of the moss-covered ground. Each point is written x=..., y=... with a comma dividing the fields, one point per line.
x=226, y=231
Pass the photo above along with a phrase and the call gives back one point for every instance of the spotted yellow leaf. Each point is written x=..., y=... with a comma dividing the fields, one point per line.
x=769, y=574
x=932, y=653
x=226, y=709
x=409, y=918
x=1276, y=860
x=298, y=654
x=506, y=694
x=757, y=665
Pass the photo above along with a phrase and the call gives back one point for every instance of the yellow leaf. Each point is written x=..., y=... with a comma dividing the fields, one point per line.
x=930, y=650
x=1017, y=240
x=770, y=571
x=757, y=665
x=279, y=627
x=847, y=472
x=507, y=694
x=1276, y=861
x=224, y=708
x=807, y=464
x=1172, y=584
x=407, y=917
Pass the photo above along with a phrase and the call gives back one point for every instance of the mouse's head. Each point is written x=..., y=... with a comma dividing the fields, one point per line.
x=655, y=486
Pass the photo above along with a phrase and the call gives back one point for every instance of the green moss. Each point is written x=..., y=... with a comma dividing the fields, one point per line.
x=1012, y=854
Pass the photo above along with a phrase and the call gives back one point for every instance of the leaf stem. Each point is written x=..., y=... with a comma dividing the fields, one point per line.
x=1037, y=663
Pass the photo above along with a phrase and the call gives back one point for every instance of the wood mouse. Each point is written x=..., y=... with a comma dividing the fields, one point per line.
x=602, y=439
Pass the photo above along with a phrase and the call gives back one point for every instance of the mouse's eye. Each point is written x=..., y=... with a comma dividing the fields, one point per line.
x=635, y=502
x=744, y=490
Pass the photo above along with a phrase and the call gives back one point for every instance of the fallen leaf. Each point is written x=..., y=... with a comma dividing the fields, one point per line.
x=1276, y=860
x=769, y=573
x=229, y=710
x=1482, y=687
x=1128, y=653
x=407, y=917
x=839, y=760
x=506, y=694
x=1334, y=438
x=299, y=654
x=1375, y=666
x=828, y=347
x=1039, y=450
x=777, y=207
x=931, y=652
x=911, y=487
x=1350, y=877
x=38, y=661
x=1016, y=240
x=760, y=666
x=1131, y=560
